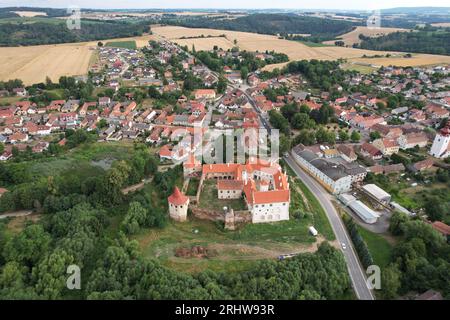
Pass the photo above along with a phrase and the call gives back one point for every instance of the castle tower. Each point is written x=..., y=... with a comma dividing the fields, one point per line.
x=178, y=205
x=440, y=147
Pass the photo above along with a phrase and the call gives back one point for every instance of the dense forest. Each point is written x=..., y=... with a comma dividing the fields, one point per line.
x=49, y=12
x=434, y=42
x=52, y=32
x=282, y=24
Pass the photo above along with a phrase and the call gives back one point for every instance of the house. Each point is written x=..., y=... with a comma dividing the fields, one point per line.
x=430, y=295
x=436, y=112
x=6, y=155
x=370, y=151
x=21, y=92
x=205, y=94
x=387, y=146
x=104, y=101
x=387, y=131
x=18, y=137
x=253, y=80
x=393, y=168
x=441, y=228
x=71, y=106
x=411, y=140
x=421, y=165
x=347, y=152
x=2, y=191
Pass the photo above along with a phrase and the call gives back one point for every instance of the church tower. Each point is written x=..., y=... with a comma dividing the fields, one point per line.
x=440, y=147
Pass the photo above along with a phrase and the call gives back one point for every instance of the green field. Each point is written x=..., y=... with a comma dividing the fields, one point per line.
x=209, y=198
x=29, y=20
x=122, y=44
x=359, y=68
x=5, y=101
x=80, y=162
x=193, y=187
x=229, y=250
x=379, y=247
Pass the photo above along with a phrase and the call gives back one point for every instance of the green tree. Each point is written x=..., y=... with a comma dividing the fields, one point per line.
x=390, y=281
x=343, y=136
x=355, y=136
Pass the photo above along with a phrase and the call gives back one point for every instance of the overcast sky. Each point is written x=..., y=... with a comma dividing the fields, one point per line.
x=247, y=4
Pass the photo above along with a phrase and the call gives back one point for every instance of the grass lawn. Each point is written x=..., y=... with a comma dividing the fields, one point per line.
x=80, y=162
x=229, y=250
x=379, y=247
x=193, y=187
x=320, y=220
x=56, y=94
x=357, y=67
x=4, y=101
x=122, y=44
x=209, y=199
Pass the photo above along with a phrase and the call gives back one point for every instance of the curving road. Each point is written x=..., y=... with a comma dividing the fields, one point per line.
x=355, y=270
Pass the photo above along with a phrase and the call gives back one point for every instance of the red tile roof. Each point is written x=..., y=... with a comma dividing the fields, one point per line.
x=177, y=198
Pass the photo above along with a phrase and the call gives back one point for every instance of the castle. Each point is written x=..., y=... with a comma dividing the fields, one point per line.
x=441, y=144
x=262, y=184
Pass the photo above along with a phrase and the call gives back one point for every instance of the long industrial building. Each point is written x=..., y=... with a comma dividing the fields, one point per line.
x=364, y=212
x=335, y=174
x=377, y=193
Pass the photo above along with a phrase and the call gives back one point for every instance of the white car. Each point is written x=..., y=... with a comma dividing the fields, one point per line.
x=343, y=246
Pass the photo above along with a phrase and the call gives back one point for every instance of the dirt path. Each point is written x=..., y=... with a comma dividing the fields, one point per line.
x=21, y=213
x=229, y=252
x=137, y=186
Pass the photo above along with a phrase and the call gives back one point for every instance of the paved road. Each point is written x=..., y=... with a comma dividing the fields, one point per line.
x=355, y=270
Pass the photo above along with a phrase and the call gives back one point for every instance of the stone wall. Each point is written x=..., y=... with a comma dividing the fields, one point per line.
x=243, y=216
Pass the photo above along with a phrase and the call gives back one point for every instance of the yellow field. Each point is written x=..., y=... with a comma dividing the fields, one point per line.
x=206, y=43
x=33, y=64
x=353, y=36
x=295, y=50
x=30, y=14
x=416, y=60
x=441, y=24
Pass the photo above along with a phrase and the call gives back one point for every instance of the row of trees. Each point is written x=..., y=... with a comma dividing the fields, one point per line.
x=54, y=31
x=277, y=24
x=437, y=42
x=360, y=246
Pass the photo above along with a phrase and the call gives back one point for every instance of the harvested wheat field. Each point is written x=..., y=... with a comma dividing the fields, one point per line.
x=400, y=61
x=295, y=50
x=206, y=43
x=441, y=24
x=34, y=63
x=353, y=36
x=30, y=14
